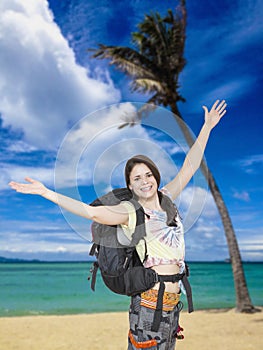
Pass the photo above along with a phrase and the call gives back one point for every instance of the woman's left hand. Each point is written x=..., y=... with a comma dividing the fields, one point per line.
x=213, y=116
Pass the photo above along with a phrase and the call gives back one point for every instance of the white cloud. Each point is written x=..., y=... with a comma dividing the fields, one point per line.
x=196, y=203
x=42, y=88
x=244, y=196
x=61, y=249
x=233, y=87
x=20, y=147
x=250, y=241
x=251, y=164
x=31, y=247
x=18, y=173
x=41, y=237
x=254, y=159
x=206, y=241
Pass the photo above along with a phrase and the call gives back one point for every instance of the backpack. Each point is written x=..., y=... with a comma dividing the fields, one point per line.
x=121, y=268
x=118, y=261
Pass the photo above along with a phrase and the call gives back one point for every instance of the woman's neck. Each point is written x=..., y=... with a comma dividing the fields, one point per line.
x=151, y=203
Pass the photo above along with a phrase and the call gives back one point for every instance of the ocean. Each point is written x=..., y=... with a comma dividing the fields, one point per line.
x=63, y=288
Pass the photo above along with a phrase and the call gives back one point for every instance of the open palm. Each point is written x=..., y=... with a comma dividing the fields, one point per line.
x=33, y=187
x=217, y=111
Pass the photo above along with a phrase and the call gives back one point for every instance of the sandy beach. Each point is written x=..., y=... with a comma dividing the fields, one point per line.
x=206, y=330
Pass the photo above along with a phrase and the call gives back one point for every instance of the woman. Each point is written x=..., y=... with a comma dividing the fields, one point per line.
x=165, y=244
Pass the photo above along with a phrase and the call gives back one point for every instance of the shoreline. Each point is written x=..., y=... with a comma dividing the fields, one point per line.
x=206, y=329
x=212, y=310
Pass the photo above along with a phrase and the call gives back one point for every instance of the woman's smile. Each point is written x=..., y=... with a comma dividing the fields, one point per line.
x=146, y=189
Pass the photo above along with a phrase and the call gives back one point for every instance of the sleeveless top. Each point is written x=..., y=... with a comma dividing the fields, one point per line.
x=165, y=244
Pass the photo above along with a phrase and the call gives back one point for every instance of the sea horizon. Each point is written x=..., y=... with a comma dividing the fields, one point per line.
x=20, y=260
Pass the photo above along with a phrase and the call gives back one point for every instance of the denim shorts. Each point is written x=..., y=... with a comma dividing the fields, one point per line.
x=141, y=319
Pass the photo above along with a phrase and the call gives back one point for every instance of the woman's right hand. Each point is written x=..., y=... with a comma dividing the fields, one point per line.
x=33, y=187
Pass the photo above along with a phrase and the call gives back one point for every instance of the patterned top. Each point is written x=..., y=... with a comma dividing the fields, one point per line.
x=165, y=244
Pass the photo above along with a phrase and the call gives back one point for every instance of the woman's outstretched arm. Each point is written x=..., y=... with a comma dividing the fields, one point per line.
x=195, y=154
x=109, y=215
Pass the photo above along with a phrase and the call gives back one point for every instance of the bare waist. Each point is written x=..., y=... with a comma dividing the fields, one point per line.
x=168, y=270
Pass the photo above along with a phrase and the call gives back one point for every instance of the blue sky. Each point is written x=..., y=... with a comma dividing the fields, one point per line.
x=60, y=110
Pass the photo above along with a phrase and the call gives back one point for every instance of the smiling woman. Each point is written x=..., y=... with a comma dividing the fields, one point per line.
x=154, y=313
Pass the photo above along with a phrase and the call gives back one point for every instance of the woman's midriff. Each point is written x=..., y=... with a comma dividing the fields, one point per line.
x=167, y=270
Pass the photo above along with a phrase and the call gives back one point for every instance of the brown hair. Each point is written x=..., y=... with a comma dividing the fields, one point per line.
x=138, y=159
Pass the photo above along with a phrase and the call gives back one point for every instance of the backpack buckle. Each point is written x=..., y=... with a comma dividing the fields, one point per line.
x=156, y=277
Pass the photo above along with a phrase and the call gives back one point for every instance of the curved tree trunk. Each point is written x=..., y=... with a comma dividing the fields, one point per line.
x=243, y=301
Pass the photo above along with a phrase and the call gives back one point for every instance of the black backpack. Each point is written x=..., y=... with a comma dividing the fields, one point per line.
x=121, y=268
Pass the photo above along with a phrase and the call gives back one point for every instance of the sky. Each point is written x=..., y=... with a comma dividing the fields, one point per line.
x=60, y=110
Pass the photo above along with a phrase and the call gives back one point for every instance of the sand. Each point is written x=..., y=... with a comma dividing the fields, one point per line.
x=206, y=330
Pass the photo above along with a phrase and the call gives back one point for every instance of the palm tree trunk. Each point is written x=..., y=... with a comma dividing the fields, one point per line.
x=243, y=301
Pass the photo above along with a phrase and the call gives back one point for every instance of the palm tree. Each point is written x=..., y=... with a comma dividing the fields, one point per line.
x=154, y=64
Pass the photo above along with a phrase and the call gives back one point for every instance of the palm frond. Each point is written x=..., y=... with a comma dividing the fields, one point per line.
x=147, y=85
x=126, y=59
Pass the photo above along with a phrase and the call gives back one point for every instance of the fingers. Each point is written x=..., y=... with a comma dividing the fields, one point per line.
x=214, y=105
x=29, y=179
x=221, y=114
x=13, y=185
x=221, y=107
x=217, y=111
x=21, y=187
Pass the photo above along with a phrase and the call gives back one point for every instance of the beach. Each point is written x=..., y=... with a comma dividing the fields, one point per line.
x=51, y=306
x=214, y=329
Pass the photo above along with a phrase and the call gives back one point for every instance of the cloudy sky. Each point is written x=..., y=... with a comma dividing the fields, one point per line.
x=60, y=111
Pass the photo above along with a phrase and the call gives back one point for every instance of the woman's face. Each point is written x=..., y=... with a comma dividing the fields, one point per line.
x=142, y=181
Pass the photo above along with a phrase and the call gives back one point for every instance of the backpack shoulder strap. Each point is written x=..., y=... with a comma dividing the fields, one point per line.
x=115, y=197
x=171, y=210
x=139, y=232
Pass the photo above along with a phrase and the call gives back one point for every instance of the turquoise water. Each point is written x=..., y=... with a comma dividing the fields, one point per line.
x=63, y=288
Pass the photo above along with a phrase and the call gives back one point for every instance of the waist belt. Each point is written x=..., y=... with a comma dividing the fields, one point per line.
x=159, y=306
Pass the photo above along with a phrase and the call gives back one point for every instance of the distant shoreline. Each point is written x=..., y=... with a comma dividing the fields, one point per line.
x=211, y=309
x=4, y=260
